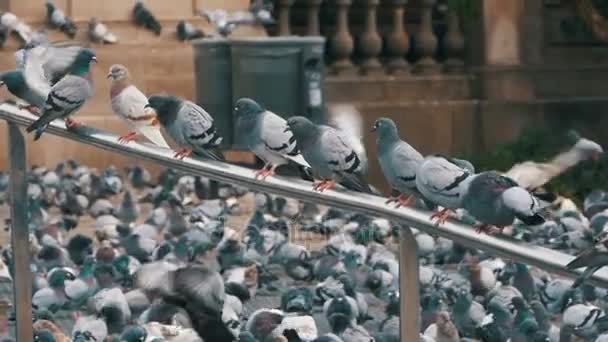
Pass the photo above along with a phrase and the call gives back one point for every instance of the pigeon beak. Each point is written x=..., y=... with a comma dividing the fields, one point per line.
x=94, y=59
x=373, y=129
x=287, y=129
x=109, y=75
x=1, y=84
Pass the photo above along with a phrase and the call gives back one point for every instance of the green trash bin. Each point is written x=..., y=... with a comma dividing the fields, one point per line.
x=284, y=74
x=212, y=66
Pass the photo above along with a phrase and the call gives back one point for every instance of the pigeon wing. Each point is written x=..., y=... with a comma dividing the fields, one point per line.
x=33, y=71
x=339, y=156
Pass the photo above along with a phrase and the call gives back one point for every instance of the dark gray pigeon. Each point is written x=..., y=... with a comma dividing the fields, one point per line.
x=68, y=95
x=332, y=155
x=189, y=125
x=496, y=201
x=187, y=31
x=143, y=17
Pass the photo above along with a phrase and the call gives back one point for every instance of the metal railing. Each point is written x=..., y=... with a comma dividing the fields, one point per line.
x=549, y=260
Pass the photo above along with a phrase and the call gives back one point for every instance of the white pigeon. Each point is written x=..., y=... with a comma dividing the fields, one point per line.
x=532, y=175
x=128, y=103
x=14, y=24
x=99, y=32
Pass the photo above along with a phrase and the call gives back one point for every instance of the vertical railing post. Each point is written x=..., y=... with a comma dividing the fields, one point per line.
x=22, y=281
x=313, y=28
x=409, y=292
x=397, y=41
x=370, y=42
x=284, y=13
x=342, y=44
x=426, y=42
x=454, y=43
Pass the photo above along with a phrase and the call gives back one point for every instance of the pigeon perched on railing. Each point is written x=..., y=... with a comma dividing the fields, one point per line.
x=331, y=153
x=68, y=95
x=56, y=18
x=439, y=179
x=398, y=161
x=496, y=201
x=266, y=135
x=99, y=32
x=128, y=103
x=188, y=124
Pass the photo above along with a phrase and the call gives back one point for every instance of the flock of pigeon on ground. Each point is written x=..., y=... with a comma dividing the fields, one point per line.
x=259, y=13
x=180, y=274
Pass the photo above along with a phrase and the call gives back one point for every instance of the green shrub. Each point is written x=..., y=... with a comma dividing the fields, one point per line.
x=540, y=145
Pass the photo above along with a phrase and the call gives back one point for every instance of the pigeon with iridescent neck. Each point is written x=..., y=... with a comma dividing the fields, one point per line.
x=128, y=103
x=496, y=201
x=189, y=125
x=398, y=161
x=68, y=95
x=266, y=135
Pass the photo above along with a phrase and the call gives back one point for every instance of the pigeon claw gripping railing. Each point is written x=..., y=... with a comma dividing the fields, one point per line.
x=549, y=260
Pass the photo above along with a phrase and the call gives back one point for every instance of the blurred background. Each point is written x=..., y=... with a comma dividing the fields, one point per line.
x=459, y=76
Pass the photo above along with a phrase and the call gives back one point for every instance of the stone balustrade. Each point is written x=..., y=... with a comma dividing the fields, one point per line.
x=372, y=37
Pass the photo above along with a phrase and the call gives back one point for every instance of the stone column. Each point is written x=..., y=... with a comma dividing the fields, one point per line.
x=454, y=44
x=397, y=41
x=313, y=18
x=342, y=41
x=426, y=42
x=370, y=42
x=284, y=25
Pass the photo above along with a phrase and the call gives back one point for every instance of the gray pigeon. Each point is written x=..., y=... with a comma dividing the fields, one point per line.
x=68, y=95
x=331, y=155
x=398, y=161
x=496, y=201
x=189, y=125
x=266, y=135
x=439, y=179
x=57, y=19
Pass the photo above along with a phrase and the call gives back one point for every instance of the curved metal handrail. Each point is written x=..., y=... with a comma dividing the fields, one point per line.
x=549, y=260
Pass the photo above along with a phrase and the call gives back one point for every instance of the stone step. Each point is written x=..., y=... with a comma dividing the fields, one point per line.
x=395, y=89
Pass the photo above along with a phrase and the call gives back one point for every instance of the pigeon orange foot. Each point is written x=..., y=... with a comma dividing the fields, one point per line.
x=127, y=137
x=441, y=216
x=31, y=108
x=264, y=172
x=401, y=200
x=324, y=185
x=183, y=153
x=70, y=123
x=488, y=229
